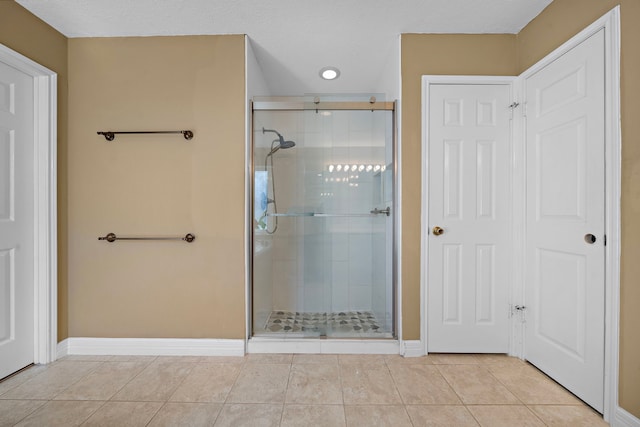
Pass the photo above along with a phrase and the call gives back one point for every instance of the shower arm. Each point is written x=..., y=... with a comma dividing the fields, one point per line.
x=272, y=130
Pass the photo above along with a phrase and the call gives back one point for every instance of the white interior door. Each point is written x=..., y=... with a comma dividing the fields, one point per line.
x=565, y=253
x=468, y=199
x=16, y=220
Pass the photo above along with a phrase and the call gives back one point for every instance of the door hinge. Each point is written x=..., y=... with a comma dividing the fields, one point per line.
x=518, y=310
x=523, y=105
x=605, y=240
x=512, y=107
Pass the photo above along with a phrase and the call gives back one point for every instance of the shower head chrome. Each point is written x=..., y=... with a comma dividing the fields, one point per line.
x=281, y=142
x=287, y=144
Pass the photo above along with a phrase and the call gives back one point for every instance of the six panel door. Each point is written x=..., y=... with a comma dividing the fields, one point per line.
x=565, y=240
x=469, y=239
x=16, y=220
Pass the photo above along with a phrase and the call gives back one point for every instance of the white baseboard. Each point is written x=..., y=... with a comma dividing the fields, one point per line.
x=412, y=348
x=62, y=349
x=324, y=346
x=151, y=347
x=622, y=418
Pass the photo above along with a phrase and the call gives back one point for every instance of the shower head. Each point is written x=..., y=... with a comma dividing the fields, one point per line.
x=287, y=144
x=281, y=142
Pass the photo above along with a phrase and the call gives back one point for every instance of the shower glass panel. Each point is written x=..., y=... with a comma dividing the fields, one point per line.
x=323, y=223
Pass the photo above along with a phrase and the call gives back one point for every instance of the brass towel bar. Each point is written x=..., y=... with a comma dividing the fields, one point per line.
x=111, y=135
x=111, y=237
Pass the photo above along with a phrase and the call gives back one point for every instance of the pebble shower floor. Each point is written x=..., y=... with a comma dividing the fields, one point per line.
x=343, y=322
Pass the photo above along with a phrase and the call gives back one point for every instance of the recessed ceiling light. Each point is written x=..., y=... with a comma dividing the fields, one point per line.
x=329, y=73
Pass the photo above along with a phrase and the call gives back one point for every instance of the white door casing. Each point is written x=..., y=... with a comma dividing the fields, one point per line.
x=565, y=267
x=469, y=146
x=44, y=206
x=16, y=220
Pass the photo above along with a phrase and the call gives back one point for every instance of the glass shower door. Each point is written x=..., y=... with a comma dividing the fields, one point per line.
x=347, y=243
x=323, y=224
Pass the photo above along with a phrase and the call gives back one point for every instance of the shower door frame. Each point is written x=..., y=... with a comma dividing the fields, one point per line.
x=297, y=345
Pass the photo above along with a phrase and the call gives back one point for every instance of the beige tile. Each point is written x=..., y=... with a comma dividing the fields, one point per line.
x=156, y=382
x=313, y=415
x=422, y=384
x=21, y=377
x=51, y=381
x=126, y=358
x=103, y=382
x=223, y=359
x=361, y=359
x=85, y=358
x=315, y=358
x=532, y=386
x=476, y=385
x=499, y=360
x=249, y=415
x=453, y=359
x=278, y=358
x=574, y=416
x=440, y=416
x=123, y=414
x=377, y=415
x=314, y=384
x=368, y=384
x=186, y=414
x=207, y=382
x=393, y=359
x=260, y=383
x=12, y=411
x=505, y=416
x=179, y=359
x=62, y=413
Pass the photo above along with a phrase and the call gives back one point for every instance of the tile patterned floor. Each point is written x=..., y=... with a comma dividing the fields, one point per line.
x=345, y=322
x=289, y=390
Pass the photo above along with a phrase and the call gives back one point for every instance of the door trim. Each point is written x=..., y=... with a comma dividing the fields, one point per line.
x=45, y=203
x=610, y=22
x=427, y=82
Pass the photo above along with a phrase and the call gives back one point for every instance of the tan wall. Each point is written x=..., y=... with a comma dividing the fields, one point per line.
x=434, y=54
x=556, y=24
x=28, y=35
x=157, y=185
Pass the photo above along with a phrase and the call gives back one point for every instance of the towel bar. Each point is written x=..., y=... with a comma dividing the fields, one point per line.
x=111, y=135
x=111, y=237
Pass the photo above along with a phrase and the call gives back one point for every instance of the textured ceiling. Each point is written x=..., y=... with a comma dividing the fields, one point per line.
x=294, y=39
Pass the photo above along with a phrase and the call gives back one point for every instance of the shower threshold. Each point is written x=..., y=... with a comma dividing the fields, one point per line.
x=290, y=343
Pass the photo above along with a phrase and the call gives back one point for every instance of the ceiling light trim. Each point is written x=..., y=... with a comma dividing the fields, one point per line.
x=329, y=73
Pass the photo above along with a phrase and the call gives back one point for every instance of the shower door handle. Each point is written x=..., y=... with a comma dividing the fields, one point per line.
x=377, y=211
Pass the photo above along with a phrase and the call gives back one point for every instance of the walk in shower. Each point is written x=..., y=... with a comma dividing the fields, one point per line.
x=323, y=218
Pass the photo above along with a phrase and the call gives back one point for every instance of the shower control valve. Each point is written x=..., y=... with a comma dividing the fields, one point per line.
x=377, y=211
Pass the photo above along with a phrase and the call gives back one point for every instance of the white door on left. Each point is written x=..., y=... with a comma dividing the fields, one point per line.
x=16, y=220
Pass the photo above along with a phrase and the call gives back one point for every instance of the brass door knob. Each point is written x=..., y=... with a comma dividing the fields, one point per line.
x=437, y=231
